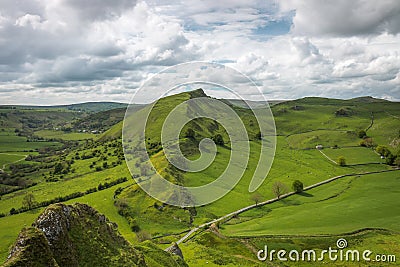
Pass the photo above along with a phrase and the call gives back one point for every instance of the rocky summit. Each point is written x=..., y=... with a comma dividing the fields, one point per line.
x=77, y=235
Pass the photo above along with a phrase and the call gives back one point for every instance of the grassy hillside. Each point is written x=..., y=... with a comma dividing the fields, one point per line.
x=77, y=235
x=88, y=172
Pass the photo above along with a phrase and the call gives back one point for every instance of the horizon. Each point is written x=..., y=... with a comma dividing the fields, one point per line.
x=127, y=103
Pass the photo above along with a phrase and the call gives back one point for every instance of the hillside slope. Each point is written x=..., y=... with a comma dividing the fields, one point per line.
x=77, y=235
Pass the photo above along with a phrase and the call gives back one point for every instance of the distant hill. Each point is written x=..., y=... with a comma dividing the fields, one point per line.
x=95, y=106
x=82, y=107
x=368, y=99
x=251, y=103
x=77, y=235
x=334, y=101
x=103, y=120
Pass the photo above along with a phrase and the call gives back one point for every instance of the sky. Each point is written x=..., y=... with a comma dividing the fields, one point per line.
x=69, y=51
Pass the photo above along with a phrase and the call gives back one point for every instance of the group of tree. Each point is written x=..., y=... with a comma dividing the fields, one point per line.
x=29, y=202
x=390, y=158
x=279, y=189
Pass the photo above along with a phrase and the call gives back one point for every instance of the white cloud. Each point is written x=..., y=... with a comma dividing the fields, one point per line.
x=343, y=17
x=70, y=50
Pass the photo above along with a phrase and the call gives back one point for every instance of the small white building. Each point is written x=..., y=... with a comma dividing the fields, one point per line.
x=319, y=147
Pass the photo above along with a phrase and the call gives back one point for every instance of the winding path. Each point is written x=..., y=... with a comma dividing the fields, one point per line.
x=237, y=212
x=4, y=165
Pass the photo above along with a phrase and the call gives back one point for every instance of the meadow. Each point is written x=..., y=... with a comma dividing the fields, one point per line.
x=8, y=158
x=342, y=206
x=9, y=142
x=354, y=155
x=345, y=205
x=53, y=134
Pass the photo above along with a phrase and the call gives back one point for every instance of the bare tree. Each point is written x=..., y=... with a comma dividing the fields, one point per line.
x=28, y=201
x=256, y=197
x=279, y=188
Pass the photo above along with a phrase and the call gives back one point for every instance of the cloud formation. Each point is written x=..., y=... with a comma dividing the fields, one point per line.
x=64, y=51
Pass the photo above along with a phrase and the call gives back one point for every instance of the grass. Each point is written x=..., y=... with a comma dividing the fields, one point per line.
x=345, y=205
x=354, y=155
x=103, y=201
x=43, y=191
x=379, y=242
x=9, y=142
x=11, y=226
x=327, y=138
x=52, y=134
x=7, y=158
x=341, y=206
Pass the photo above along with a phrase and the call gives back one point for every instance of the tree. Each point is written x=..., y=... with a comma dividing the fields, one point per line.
x=143, y=235
x=279, y=188
x=58, y=168
x=390, y=159
x=190, y=133
x=362, y=134
x=367, y=142
x=297, y=186
x=29, y=201
x=397, y=161
x=218, y=140
x=256, y=197
x=259, y=136
x=383, y=151
x=341, y=161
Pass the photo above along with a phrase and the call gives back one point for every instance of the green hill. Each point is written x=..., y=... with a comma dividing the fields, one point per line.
x=92, y=172
x=77, y=235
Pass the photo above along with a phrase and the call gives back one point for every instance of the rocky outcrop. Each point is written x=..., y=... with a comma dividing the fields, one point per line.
x=175, y=249
x=31, y=243
x=77, y=235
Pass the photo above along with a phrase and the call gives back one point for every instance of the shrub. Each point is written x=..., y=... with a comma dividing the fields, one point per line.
x=297, y=186
x=362, y=134
x=190, y=133
x=143, y=236
x=218, y=139
x=341, y=161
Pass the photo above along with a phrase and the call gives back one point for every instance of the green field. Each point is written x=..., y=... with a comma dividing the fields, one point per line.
x=53, y=134
x=10, y=227
x=9, y=142
x=7, y=158
x=327, y=138
x=354, y=155
x=342, y=206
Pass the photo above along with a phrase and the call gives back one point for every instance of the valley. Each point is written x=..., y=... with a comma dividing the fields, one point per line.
x=74, y=154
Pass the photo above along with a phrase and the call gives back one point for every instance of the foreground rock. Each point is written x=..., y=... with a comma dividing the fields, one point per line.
x=77, y=235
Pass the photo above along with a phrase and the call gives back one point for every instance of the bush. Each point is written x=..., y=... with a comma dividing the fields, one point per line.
x=362, y=134
x=133, y=224
x=367, y=142
x=218, y=140
x=383, y=151
x=143, y=236
x=190, y=133
x=259, y=136
x=297, y=186
x=58, y=168
x=341, y=161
